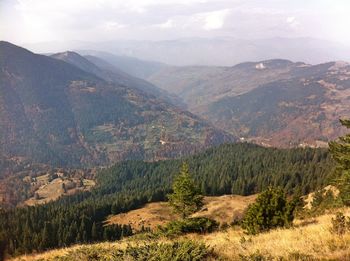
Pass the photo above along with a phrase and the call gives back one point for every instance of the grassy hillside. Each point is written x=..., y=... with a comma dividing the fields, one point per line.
x=308, y=239
x=243, y=169
x=224, y=209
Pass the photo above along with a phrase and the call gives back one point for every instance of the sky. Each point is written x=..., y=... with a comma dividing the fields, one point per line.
x=33, y=21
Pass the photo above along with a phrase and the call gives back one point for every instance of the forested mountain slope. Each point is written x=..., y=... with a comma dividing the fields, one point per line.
x=112, y=74
x=274, y=102
x=237, y=168
x=202, y=85
x=54, y=112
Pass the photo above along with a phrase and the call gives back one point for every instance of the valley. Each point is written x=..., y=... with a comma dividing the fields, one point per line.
x=268, y=102
x=135, y=145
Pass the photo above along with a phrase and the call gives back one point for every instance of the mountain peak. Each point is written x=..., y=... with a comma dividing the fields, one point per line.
x=8, y=50
x=69, y=54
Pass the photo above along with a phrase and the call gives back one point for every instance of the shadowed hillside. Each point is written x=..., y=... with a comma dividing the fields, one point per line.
x=54, y=112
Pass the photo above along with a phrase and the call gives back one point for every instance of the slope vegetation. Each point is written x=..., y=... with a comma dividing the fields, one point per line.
x=309, y=239
x=243, y=169
x=274, y=102
x=224, y=209
x=54, y=112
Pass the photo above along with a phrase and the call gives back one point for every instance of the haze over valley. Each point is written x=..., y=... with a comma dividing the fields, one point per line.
x=174, y=130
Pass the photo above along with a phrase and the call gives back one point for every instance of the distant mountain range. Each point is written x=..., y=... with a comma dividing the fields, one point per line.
x=67, y=111
x=218, y=51
x=273, y=102
x=132, y=66
x=75, y=110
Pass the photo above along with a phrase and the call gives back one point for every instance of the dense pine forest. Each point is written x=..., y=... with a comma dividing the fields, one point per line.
x=236, y=168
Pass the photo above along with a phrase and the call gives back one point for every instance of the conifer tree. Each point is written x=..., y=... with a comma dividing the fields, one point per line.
x=186, y=198
x=340, y=151
x=46, y=236
x=271, y=210
x=94, y=234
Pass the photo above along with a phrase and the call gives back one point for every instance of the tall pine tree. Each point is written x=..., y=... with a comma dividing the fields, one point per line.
x=186, y=198
x=340, y=151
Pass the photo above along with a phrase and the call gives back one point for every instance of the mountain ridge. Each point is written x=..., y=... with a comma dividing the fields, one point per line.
x=54, y=112
x=274, y=102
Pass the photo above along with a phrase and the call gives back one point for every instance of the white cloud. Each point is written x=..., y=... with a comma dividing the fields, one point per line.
x=26, y=21
x=293, y=22
x=110, y=25
x=214, y=20
x=290, y=19
x=166, y=25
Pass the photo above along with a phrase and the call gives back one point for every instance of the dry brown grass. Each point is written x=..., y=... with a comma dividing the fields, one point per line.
x=222, y=209
x=225, y=209
x=52, y=254
x=314, y=239
x=310, y=237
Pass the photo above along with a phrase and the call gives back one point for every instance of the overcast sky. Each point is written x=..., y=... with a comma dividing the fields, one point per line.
x=31, y=21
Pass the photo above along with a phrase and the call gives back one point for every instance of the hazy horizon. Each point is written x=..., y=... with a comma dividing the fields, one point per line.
x=314, y=29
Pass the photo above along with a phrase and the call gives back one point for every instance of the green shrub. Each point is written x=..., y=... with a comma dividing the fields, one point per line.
x=340, y=224
x=271, y=210
x=184, y=250
x=177, y=251
x=189, y=225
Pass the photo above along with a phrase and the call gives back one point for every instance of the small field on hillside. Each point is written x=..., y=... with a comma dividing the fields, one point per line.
x=48, y=189
x=224, y=209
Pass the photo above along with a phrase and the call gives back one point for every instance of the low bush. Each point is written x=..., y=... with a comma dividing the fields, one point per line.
x=340, y=224
x=178, y=251
x=189, y=225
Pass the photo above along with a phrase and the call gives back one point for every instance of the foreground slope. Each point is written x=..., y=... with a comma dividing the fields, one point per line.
x=241, y=168
x=56, y=113
x=309, y=239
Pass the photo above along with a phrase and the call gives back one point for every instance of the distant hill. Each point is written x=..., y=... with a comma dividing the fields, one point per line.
x=128, y=64
x=273, y=102
x=110, y=73
x=201, y=85
x=54, y=112
x=217, y=51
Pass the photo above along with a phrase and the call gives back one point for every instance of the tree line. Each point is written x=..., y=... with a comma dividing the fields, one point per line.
x=236, y=168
